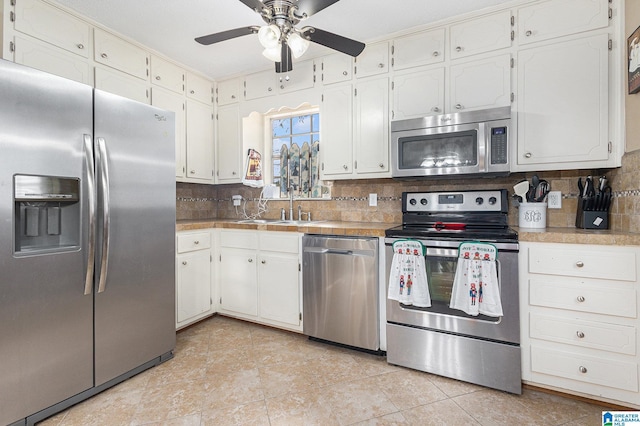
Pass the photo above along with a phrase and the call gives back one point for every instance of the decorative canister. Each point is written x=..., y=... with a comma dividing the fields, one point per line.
x=532, y=215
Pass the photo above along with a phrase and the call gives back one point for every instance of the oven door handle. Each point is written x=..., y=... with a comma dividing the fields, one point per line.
x=442, y=252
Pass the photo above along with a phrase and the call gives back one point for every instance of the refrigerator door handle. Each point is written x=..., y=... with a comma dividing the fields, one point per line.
x=103, y=166
x=91, y=184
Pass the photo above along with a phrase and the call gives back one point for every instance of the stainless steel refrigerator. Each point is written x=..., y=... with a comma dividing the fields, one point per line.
x=87, y=229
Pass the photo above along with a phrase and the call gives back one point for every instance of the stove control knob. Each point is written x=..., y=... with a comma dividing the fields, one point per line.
x=479, y=201
x=413, y=202
x=423, y=201
x=493, y=200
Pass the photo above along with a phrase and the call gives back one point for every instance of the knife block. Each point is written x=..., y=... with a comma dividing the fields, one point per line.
x=591, y=219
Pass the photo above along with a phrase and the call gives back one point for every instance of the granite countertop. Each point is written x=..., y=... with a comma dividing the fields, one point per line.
x=376, y=229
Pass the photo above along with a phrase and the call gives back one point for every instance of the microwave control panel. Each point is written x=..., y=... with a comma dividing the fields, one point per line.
x=499, y=141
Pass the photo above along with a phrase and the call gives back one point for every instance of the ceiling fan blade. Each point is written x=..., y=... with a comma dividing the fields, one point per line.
x=226, y=35
x=335, y=41
x=309, y=7
x=254, y=4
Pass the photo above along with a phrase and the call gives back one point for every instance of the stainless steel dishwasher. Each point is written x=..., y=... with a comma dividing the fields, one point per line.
x=340, y=290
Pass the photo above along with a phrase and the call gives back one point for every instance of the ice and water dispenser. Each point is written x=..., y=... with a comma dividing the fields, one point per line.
x=47, y=214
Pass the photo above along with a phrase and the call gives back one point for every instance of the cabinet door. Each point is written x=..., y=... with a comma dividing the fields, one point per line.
x=301, y=77
x=193, y=292
x=118, y=83
x=48, y=23
x=418, y=49
x=120, y=54
x=279, y=288
x=480, y=35
x=199, y=141
x=174, y=102
x=336, y=68
x=563, y=104
x=483, y=83
x=557, y=18
x=199, y=88
x=371, y=126
x=48, y=58
x=336, y=120
x=228, y=92
x=166, y=74
x=418, y=94
x=259, y=85
x=229, y=145
x=373, y=60
x=238, y=281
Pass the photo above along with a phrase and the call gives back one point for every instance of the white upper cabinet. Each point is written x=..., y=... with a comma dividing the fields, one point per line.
x=120, y=54
x=558, y=18
x=199, y=88
x=371, y=127
x=563, y=112
x=301, y=77
x=336, y=68
x=336, y=121
x=229, y=144
x=174, y=102
x=480, y=83
x=373, y=60
x=166, y=74
x=418, y=49
x=259, y=85
x=418, y=93
x=228, y=92
x=480, y=35
x=122, y=84
x=200, y=142
x=48, y=23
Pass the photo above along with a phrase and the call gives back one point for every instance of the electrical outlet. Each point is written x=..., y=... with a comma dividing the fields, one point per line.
x=554, y=200
x=373, y=200
x=236, y=200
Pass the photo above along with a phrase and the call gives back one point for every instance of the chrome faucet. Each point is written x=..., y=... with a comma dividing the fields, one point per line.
x=299, y=212
x=291, y=202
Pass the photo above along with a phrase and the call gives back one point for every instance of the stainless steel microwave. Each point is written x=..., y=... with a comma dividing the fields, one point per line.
x=464, y=143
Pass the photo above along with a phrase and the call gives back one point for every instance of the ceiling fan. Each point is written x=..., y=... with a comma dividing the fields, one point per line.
x=281, y=38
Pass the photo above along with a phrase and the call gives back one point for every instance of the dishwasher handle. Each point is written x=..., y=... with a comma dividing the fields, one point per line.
x=344, y=252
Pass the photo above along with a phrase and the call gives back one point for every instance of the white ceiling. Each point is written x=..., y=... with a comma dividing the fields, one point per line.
x=170, y=26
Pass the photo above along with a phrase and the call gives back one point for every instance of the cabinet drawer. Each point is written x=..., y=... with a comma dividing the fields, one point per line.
x=584, y=297
x=192, y=242
x=280, y=242
x=120, y=54
x=588, y=334
x=594, y=262
x=167, y=75
x=588, y=369
x=238, y=239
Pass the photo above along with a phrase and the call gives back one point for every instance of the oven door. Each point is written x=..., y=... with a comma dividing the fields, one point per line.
x=441, y=262
x=435, y=151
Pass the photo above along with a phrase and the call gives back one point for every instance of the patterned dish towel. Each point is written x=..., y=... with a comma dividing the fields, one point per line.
x=408, y=278
x=475, y=287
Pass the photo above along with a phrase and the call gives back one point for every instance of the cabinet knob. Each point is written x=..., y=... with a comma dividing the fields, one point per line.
x=380, y=65
x=580, y=299
x=80, y=46
x=158, y=77
x=184, y=262
x=269, y=89
x=196, y=242
x=527, y=155
x=435, y=109
x=233, y=96
x=250, y=260
x=282, y=86
x=192, y=92
x=459, y=49
x=344, y=73
x=233, y=173
x=263, y=262
x=582, y=369
x=580, y=334
x=528, y=33
x=381, y=165
x=193, y=172
x=436, y=53
x=579, y=263
x=345, y=167
x=459, y=106
x=104, y=55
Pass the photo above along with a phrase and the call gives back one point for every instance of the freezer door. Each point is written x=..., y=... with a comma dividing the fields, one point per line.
x=46, y=319
x=135, y=284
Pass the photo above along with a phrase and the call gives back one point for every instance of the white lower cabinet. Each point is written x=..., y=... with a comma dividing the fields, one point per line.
x=259, y=277
x=579, y=319
x=194, y=297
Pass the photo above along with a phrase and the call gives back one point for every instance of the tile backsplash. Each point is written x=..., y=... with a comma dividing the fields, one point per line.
x=350, y=199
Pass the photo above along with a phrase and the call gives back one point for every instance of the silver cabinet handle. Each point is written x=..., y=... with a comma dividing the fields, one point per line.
x=528, y=33
x=91, y=234
x=579, y=264
x=233, y=173
x=435, y=109
x=80, y=46
x=104, y=55
x=381, y=165
x=580, y=299
x=345, y=167
x=381, y=65
x=103, y=166
x=196, y=242
x=282, y=86
x=250, y=260
x=436, y=53
x=193, y=172
x=459, y=49
x=269, y=89
x=459, y=106
x=158, y=77
x=580, y=334
x=345, y=73
x=582, y=369
x=184, y=262
x=263, y=262
x=233, y=96
x=527, y=155
x=192, y=92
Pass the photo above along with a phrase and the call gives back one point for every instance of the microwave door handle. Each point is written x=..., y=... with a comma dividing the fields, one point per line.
x=91, y=234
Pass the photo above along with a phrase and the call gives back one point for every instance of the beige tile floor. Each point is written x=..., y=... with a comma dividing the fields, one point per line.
x=229, y=372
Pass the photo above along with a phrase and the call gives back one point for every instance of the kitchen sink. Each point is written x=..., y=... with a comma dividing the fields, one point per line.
x=258, y=221
x=298, y=222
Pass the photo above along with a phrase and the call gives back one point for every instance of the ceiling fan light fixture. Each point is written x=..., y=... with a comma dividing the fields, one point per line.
x=269, y=36
x=298, y=44
x=272, y=53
